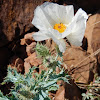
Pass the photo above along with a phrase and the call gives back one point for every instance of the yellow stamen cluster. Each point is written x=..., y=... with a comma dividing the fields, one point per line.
x=60, y=27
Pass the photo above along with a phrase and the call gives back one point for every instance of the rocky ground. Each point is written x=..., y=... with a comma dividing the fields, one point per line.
x=16, y=44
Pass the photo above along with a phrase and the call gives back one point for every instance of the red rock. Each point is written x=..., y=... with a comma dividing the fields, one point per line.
x=16, y=62
x=41, y=68
x=68, y=91
x=15, y=18
x=88, y=33
x=28, y=39
x=60, y=95
x=93, y=37
x=22, y=41
x=51, y=44
x=33, y=60
x=30, y=48
x=80, y=66
x=27, y=66
x=29, y=36
x=72, y=92
x=96, y=40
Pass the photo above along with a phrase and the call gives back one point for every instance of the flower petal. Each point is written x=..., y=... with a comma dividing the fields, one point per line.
x=40, y=36
x=78, y=27
x=62, y=45
x=69, y=13
x=60, y=42
x=51, y=14
x=41, y=19
x=59, y=13
x=55, y=33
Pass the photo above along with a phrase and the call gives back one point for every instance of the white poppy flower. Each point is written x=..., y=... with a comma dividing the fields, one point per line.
x=57, y=22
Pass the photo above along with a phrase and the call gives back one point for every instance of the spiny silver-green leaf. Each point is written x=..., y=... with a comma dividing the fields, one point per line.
x=26, y=87
x=42, y=50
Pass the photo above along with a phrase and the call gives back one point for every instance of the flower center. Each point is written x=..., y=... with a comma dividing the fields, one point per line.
x=60, y=27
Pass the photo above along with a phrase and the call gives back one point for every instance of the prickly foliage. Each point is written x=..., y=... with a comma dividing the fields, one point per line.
x=28, y=88
x=42, y=51
x=49, y=60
